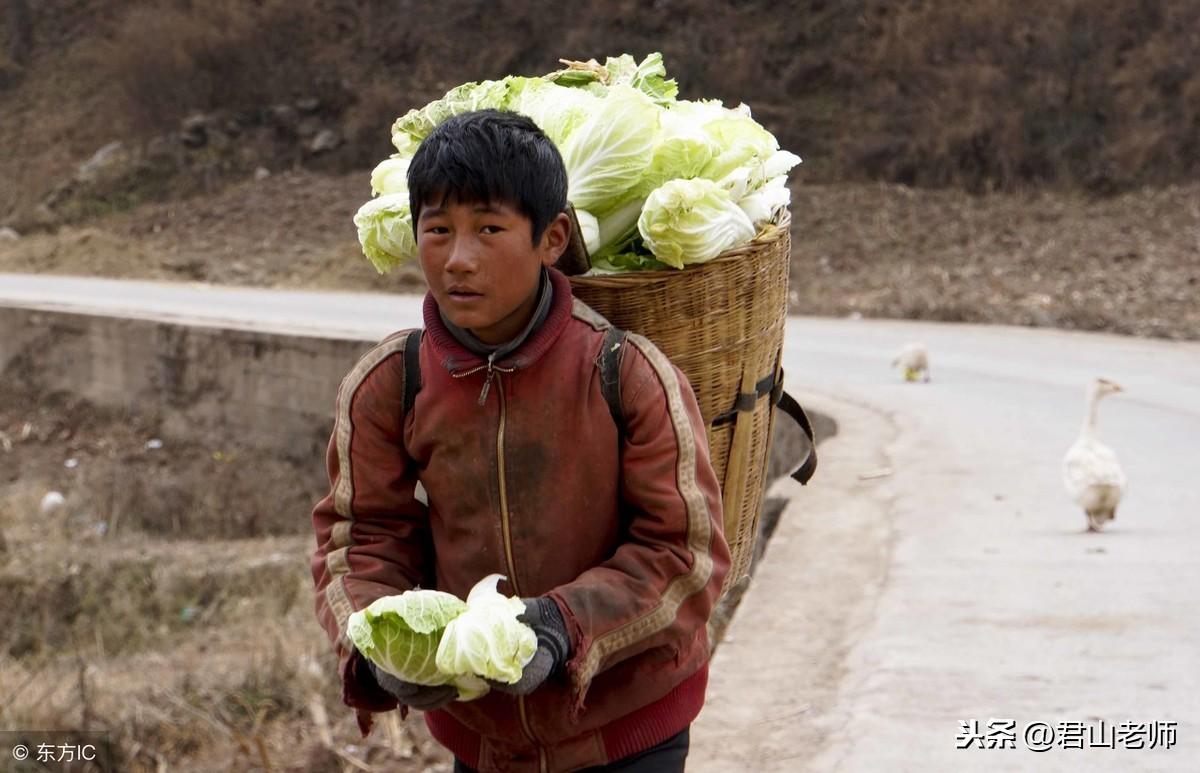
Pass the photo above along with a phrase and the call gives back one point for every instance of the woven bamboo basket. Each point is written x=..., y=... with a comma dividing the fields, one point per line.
x=722, y=324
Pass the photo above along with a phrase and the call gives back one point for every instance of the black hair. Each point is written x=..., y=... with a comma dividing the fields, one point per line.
x=490, y=156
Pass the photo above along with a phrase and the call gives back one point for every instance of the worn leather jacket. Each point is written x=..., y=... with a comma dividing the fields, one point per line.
x=517, y=467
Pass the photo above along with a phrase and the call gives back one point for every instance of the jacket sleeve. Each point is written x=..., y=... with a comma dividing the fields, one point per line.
x=660, y=585
x=372, y=535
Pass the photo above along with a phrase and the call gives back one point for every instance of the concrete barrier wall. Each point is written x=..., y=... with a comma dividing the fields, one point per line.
x=271, y=391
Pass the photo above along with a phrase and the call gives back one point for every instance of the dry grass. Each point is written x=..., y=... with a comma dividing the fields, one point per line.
x=171, y=58
x=126, y=476
x=989, y=95
x=254, y=696
x=999, y=94
x=192, y=654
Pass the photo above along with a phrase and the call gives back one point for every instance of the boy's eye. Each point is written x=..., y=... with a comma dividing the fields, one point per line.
x=492, y=229
x=436, y=229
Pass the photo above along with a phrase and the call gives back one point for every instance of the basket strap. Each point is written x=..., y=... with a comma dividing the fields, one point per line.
x=612, y=351
x=412, y=369
x=745, y=401
x=788, y=405
x=772, y=385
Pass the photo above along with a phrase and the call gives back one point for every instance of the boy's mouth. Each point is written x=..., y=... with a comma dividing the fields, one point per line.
x=463, y=293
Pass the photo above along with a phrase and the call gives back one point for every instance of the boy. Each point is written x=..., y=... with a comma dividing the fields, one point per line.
x=511, y=462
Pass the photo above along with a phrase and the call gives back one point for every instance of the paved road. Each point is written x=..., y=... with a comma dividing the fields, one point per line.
x=960, y=586
x=341, y=315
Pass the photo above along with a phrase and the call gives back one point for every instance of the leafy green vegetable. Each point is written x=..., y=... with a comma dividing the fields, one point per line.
x=683, y=149
x=692, y=221
x=617, y=231
x=622, y=262
x=415, y=125
x=401, y=634
x=557, y=110
x=648, y=76
x=607, y=156
x=391, y=176
x=432, y=638
x=487, y=639
x=761, y=205
x=625, y=139
x=589, y=229
x=745, y=148
x=385, y=231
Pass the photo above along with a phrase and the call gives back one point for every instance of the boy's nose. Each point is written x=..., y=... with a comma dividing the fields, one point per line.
x=463, y=257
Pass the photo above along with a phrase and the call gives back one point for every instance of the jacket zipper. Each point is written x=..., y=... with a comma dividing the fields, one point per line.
x=492, y=370
x=487, y=382
x=505, y=526
x=506, y=529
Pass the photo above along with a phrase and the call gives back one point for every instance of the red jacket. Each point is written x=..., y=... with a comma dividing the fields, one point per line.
x=532, y=485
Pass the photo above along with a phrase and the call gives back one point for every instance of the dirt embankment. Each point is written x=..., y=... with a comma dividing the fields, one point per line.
x=167, y=600
x=1126, y=264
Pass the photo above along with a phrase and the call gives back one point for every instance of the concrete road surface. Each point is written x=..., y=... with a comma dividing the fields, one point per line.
x=935, y=572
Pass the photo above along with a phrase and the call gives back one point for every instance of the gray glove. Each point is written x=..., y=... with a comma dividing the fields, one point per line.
x=553, y=650
x=417, y=696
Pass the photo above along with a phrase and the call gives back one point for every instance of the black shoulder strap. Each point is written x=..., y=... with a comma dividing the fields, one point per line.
x=788, y=405
x=611, y=353
x=412, y=368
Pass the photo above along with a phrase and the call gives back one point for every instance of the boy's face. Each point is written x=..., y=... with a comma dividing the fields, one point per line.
x=481, y=266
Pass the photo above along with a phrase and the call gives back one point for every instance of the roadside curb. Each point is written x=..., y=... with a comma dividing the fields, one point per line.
x=774, y=680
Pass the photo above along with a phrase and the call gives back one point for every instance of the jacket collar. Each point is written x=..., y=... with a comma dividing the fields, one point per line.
x=455, y=357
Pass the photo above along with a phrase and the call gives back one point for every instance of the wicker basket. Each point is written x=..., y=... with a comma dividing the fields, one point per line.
x=722, y=324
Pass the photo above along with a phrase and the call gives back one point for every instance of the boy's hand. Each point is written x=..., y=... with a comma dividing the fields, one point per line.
x=553, y=650
x=416, y=696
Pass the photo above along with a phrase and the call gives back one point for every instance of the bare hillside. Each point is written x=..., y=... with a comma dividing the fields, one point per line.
x=994, y=95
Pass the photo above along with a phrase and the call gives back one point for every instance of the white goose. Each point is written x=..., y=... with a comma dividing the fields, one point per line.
x=1091, y=473
x=913, y=361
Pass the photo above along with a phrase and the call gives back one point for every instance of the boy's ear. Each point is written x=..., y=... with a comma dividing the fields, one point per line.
x=555, y=239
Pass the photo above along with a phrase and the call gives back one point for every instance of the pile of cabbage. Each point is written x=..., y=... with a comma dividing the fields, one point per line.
x=655, y=181
x=433, y=638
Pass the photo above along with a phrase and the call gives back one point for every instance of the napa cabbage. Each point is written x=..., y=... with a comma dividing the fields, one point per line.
x=428, y=637
x=639, y=162
x=487, y=639
x=692, y=221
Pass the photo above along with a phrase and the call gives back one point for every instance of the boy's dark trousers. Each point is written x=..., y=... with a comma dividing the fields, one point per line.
x=666, y=757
